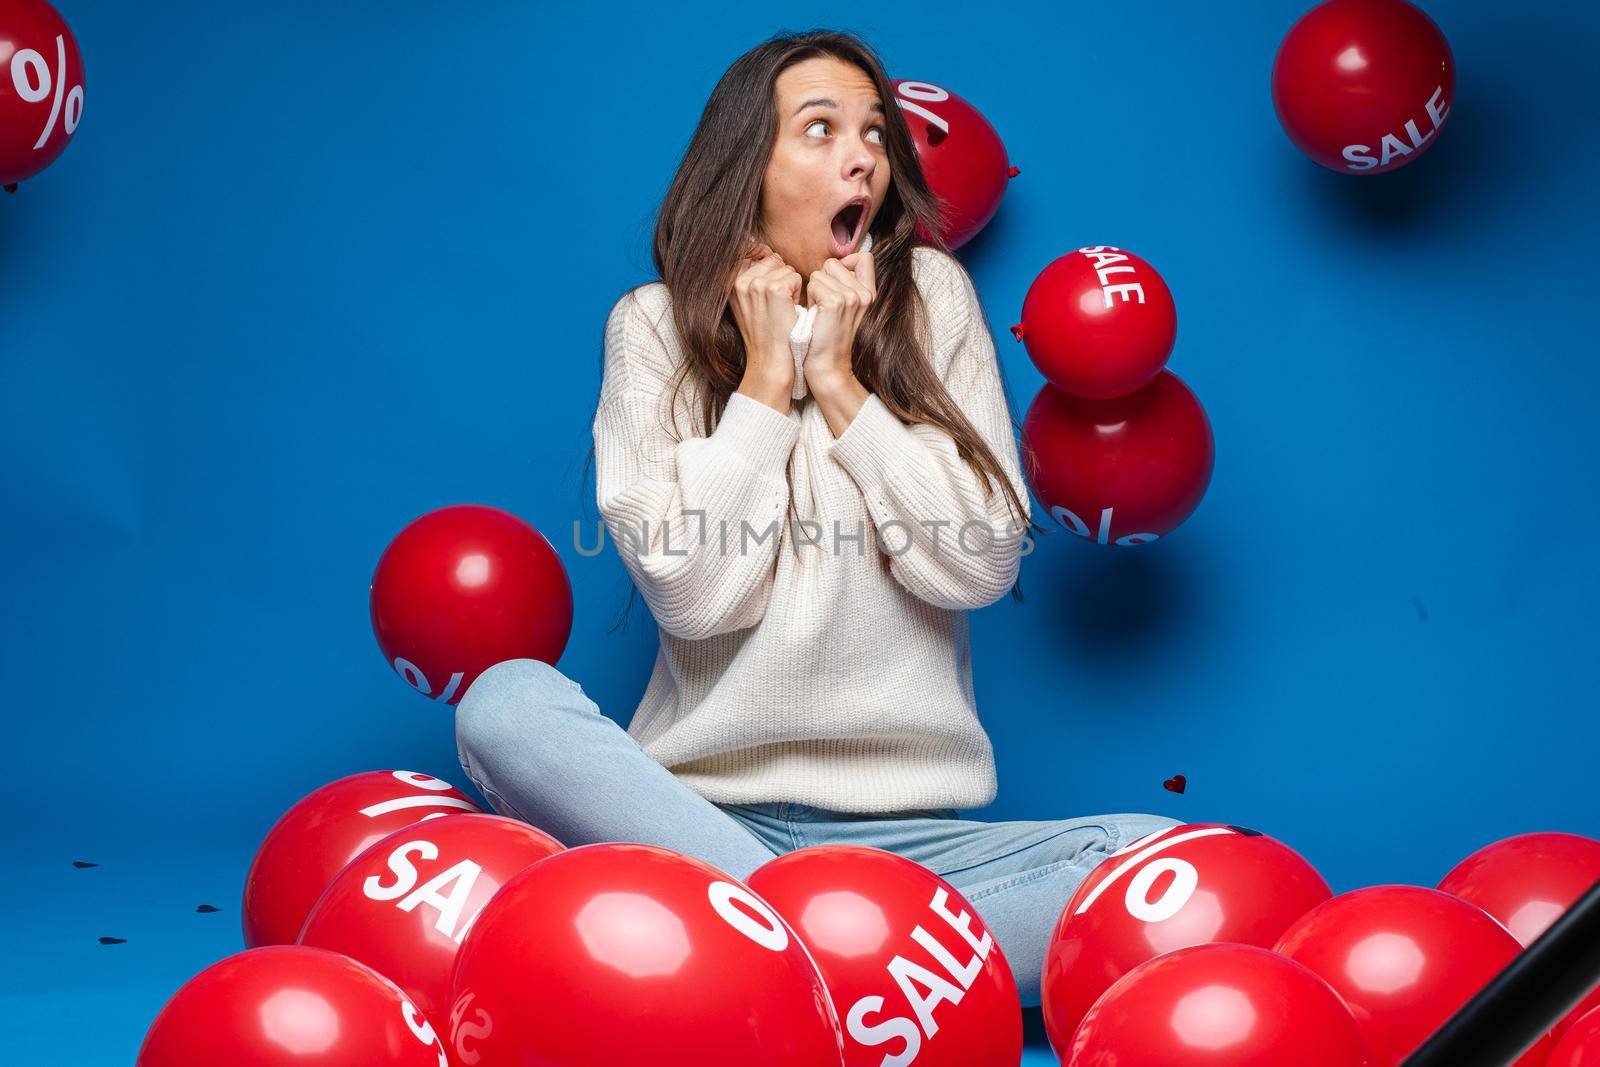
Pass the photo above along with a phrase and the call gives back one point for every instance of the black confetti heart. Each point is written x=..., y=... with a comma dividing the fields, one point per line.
x=81, y=864
x=206, y=908
x=113, y=941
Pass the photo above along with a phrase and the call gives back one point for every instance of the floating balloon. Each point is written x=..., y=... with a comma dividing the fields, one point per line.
x=41, y=88
x=403, y=906
x=463, y=588
x=614, y=954
x=1238, y=1005
x=1527, y=882
x=325, y=830
x=1098, y=322
x=1181, y=886
x=961, y=155
x=290, y=1006
x=1363, y=86
x=1405, y=959
x=915, y=976
x=1124, y=471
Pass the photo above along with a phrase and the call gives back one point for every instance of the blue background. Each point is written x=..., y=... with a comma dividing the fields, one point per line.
x=310, y=271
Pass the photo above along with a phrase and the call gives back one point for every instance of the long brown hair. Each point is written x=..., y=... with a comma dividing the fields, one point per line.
x=710, y=210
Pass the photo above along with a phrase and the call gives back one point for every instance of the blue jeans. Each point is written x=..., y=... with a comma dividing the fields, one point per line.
x=539, y=750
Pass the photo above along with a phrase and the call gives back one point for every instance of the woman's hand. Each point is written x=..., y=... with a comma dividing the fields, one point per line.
x=842, y=290
x=765, y=293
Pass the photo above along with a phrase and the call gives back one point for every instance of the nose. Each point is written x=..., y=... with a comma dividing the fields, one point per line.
x=859, y=162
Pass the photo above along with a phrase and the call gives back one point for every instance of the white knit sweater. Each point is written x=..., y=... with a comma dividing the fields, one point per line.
x=841, y=678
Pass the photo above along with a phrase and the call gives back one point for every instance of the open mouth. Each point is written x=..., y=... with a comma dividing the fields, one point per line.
x=847, y=227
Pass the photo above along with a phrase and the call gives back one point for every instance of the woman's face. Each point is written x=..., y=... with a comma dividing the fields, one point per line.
x=829, y=153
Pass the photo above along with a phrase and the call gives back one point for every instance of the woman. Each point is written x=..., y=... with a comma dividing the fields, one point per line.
x=810, y=559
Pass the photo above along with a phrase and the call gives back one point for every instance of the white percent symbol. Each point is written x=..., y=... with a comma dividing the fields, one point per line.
x=1185, y=879
x=420, y=800
x=908, y=92
x=413, y=676
x=31, y=77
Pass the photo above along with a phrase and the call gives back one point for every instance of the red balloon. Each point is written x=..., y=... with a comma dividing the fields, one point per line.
x=1581, y=1045
x=621, y=953
x=1098, y=322
x=290, y=1006
x=1124, y=471
x=1181, y=886
x=41, y=88
x=325, y=830
x=961, y=155
x=1222, y=1005
x=1363, y=86
x=1527, y=882
x=403, y=906
x=463, y=588
x=1405, y=959
x=914, y=974
x=1586, y=1006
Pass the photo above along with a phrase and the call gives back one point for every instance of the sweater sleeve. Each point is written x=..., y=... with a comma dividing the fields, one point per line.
x=955, y=542
x=697, y=522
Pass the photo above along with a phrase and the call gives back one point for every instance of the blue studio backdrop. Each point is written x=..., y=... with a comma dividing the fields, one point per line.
x=310, y=271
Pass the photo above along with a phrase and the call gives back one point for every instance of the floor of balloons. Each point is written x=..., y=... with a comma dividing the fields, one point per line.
x=163, y=942
x=1305, y=447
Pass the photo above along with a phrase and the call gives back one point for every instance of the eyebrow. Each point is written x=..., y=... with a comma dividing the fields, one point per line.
x=823, y=101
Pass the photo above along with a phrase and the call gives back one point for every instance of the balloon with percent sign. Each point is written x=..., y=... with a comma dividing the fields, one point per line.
x=463, y=588
x=619, y=953
x=1124, y=471
x=1181, y=886
x=41, y=88
x=962, y=157
x=325, y=830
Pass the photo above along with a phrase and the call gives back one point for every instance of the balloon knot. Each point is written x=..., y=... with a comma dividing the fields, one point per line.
x=1013, y=172
x=1018, y=330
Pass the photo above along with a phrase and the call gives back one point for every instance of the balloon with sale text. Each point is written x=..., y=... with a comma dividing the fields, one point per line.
x=916, y=978
x=404, y=905
x=1098, y=322
x=326, y=829
x=1364, y=86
